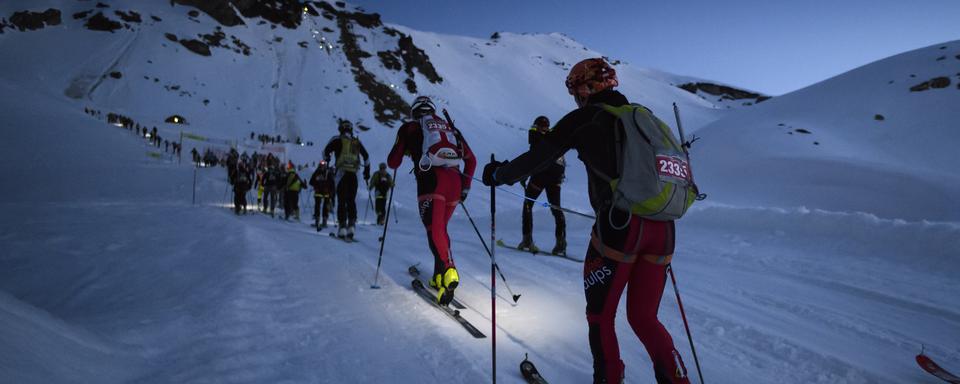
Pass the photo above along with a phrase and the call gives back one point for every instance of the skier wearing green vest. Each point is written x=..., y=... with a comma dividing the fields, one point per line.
x=350, y=156
x=291, y=193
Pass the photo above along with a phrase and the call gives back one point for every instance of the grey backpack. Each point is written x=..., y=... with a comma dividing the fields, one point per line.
x=655, y=180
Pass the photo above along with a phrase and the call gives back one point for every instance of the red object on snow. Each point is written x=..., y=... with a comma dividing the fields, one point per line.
x=928, y=365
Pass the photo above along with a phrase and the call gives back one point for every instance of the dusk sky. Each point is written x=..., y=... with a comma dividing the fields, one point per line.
x=773, y=47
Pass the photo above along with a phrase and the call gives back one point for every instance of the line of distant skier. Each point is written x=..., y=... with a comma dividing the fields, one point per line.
x=332, y=183
x=152, y=135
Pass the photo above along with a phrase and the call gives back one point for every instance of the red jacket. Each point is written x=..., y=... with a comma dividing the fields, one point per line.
x=410, y=142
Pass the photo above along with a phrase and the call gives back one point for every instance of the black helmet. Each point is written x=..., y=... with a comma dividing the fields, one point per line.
x=345, y=126
x=422, y=106
x=541, y=122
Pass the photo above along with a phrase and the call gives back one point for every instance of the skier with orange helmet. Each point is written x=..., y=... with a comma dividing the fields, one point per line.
x=632, y=256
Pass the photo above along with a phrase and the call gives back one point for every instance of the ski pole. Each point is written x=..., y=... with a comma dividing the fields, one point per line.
x=538, y=202
x=383, y=238
x=493, y=279
x=396, y=215
x=686, y=146
x=515, y=296
x=193, y=199
x=685, y=325
x=311, y=203
x=226, y=187
x=683, y=140
x=367, y=207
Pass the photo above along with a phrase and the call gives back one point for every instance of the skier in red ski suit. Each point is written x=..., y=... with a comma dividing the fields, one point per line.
x=437, y=149
x=632, y=258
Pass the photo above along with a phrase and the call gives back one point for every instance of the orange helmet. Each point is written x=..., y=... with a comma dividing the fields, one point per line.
x=591, y=76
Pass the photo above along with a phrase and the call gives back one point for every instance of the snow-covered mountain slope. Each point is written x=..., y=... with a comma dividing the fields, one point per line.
x=881, y=139
x=297, y=79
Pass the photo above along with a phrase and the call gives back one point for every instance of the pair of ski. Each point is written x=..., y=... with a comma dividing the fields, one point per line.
x=343, y=239
x=934, y=369
x=563, y=255
x=532, y=375
x=430, y=295
x=333, y=234
x=527, y=369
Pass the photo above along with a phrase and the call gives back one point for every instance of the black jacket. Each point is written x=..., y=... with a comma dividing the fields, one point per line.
x=322, y=180
x=275, y=179
x=552, y=173
x=589, y=130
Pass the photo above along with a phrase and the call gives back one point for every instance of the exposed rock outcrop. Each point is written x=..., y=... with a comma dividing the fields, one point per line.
x=196, y=46
x=219, y=10
x=99, y=22
x=934, y=83
x=129, y=16
x=31, y=21
x=414, y=57
x=388, y=106
x=287, y=13
x=723, y=91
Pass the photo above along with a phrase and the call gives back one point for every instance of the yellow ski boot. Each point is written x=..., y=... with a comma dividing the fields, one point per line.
x=446, y=284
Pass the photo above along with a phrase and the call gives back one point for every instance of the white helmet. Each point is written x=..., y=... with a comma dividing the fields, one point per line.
x=422, y=106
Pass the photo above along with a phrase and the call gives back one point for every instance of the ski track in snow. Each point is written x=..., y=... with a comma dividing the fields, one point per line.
x=281, y=303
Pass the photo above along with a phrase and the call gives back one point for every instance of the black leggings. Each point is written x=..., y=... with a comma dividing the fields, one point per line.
x=326, y=202
x=553, y=197
x=291, y=204
x=381, y=204
x=239, y=200
x=347, y=200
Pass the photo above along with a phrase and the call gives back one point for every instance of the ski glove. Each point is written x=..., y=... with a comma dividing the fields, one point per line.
x=489, y=173
x=463, y=194
x=366, y=173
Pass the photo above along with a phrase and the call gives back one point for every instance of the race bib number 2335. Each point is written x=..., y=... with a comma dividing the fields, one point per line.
x=673, y=167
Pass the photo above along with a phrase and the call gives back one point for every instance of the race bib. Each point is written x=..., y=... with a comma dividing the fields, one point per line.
x=440, y=147
x=673, y=167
